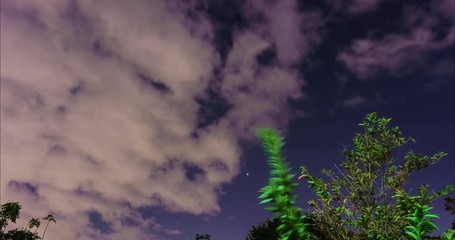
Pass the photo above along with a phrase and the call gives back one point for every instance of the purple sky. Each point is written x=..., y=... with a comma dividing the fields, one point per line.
x=136, y=119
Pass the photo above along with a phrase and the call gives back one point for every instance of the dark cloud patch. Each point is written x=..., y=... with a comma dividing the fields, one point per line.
x=60, y=110
x=227, y=13
x=158, y=171
x=95, y=163
x=128, y=221
x=99, y=49
x=34, y=101
x=194, y=134
x=57, y=149
x=226, y=17
x=211, y=108
x=80, y=23
x=223, y=41
x=443, y=68
x=97, y=221
x=91, y=159
x=49, y=136
x=24, y=186
x=267, y=57
x=148, y=81
x=219, y=166
x=77, y=89
x=29, y=15
x=244, y=89
x=304, y=5
x=353, y=7
x=86, y=191
x=97, y=46
x=193, y=172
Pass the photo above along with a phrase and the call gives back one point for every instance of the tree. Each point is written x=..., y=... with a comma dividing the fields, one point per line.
x=267, y=230
x=450, y=207
x=264, y=231
x=368, y=195
x=10, y=212
x=203, y=237
x=366, y=200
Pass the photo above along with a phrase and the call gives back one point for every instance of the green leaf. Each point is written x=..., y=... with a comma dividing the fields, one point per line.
x=413, y=235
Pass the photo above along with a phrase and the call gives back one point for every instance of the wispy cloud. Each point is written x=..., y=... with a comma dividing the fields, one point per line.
x=99, y=112
x=444, y=8
x=353, y=102
x=286, y=28
x=353, y=7
x=442, y=68
x=398, y=53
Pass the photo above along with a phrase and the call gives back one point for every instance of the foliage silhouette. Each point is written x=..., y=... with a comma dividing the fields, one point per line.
x=264, y=231
x=450, y=207
x=203, y=237
x=267, y=230
x=10, y=212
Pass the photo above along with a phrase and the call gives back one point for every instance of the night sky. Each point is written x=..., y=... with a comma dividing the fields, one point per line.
x=137, y=119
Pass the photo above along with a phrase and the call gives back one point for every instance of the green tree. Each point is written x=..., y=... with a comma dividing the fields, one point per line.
x=365, y=200
x=368, y=195
x=10, y=212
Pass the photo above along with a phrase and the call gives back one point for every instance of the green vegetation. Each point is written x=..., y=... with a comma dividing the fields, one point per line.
x=264, y=231
x=10, y=212
x=365, y=200
x=421, y=222
x=279, y=190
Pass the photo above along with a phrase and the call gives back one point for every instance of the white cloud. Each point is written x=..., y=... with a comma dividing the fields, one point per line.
x=110, y=143
x=292, y=32
x=354, y=102
x=397, y=53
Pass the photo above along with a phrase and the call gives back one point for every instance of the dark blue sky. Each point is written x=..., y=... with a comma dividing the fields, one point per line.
x=141, y=116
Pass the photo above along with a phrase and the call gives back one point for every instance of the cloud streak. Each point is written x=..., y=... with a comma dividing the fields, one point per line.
x=399, y=53
x=353, y=7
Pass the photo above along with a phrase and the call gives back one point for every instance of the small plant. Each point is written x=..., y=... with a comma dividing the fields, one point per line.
x=279, y=190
